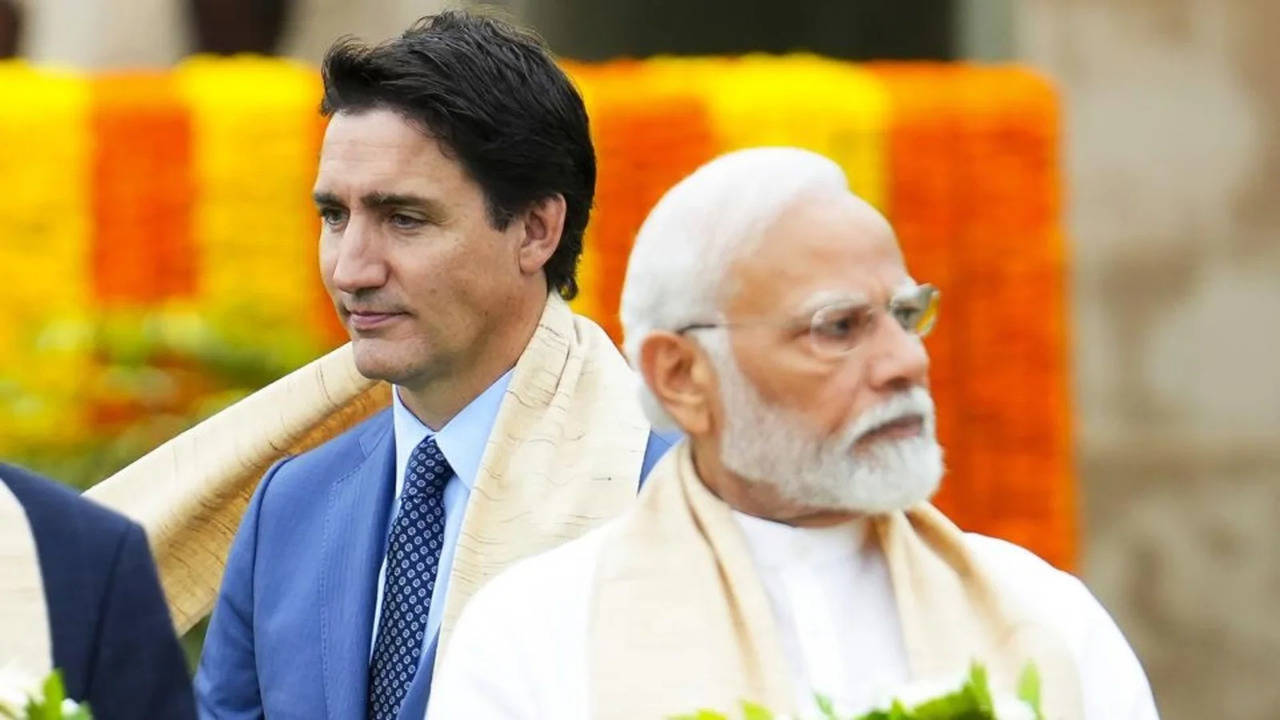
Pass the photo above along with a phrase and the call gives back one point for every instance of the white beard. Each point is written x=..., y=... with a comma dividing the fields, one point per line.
x=768, y=445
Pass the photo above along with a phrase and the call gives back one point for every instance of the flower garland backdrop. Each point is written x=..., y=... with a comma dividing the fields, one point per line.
x=160, y=243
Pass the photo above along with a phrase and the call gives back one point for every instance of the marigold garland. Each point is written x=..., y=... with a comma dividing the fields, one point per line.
x=186, y=194
x=142, y=190
x=645, y=143
x=255, y=143
x=44, y=250
x=974, y=197
x=835, y=108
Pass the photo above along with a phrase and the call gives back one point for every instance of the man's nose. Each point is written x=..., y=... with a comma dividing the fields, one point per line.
x=898, y=359
x=360, y=263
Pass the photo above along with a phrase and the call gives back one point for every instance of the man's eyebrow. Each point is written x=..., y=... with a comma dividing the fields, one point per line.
x=433, y=209
x=325, y=198
x=380, y=200
x=826, y=298
x=383, y=200
x=906, y=289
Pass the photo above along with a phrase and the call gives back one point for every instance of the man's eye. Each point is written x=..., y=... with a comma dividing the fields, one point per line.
x=907, y=315
x=839, y=326
x=333, y=217
x=405, y=222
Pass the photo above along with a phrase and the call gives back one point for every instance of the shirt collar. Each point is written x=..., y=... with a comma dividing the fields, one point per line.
x=778, y=545
x=462, y=440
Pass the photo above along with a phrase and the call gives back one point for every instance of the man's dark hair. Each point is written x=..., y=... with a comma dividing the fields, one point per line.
x=498, y=103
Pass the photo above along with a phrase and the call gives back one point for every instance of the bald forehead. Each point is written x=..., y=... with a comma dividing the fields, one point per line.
x=831, y=243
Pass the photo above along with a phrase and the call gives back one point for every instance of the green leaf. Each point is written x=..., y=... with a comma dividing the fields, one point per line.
x=980, y=689
x=701, y=715
x=49, y=707
x=959, y=704
x=54, y=694
x=897, y=711
x=1029, y=689
x=752, y=711
x=827, y=707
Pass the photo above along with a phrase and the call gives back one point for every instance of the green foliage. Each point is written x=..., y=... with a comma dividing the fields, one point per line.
x=752, y=711
x=154, y=374
x=49, y=706
x=703, y=714
x=971, y=701
x=1029, y=689
x=826, y=707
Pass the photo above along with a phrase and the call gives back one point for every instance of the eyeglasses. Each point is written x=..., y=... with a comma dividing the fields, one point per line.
x=838, y=328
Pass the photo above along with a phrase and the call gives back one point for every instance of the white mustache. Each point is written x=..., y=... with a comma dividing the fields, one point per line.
x=908, y=403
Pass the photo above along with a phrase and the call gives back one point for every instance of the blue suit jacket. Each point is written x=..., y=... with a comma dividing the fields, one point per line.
x=291, y=632
x=112, y=636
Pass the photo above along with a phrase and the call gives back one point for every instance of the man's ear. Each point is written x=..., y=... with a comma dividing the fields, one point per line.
x=680, y=377
x=543, y=225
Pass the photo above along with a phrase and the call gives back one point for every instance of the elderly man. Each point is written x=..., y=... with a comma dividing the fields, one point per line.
x=454, y=185
x=786, y=547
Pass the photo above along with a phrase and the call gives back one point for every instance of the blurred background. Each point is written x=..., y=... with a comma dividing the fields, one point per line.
x=1166, y=141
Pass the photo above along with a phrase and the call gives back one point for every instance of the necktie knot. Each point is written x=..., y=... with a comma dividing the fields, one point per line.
x=428, y=470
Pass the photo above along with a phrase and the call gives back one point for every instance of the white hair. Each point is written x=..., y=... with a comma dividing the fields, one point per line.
x=682, y=254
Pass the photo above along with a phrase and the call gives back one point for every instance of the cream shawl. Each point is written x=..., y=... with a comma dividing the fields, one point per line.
x=190, y=493
x=564, y=454
x=680, y=619
x=25, y=645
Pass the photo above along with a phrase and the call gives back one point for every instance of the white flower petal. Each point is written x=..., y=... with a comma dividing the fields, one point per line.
x=15, y=687
x=1011, y=708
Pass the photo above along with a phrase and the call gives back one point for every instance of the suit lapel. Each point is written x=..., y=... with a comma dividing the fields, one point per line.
x=355, y=533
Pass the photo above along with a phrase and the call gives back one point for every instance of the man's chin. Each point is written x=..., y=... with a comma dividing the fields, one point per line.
x=912, y=478
x=897, y=476
x=376, y=360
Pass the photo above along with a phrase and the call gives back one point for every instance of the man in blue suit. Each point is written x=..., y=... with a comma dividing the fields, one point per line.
x=111, y=635
x=454, y=186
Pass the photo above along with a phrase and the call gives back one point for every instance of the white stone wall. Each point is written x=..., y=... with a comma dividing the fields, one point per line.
x=157, y=33
x=317, y=23
x=1172, y=134
x=106, y=33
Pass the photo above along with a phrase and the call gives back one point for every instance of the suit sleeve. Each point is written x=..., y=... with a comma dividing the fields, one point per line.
x=137, y=668
x=227, y=681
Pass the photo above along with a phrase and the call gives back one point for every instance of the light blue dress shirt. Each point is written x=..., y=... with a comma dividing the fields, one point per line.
x=462, y=442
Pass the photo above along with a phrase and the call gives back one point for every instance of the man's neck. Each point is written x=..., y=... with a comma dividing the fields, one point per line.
x=436, y=400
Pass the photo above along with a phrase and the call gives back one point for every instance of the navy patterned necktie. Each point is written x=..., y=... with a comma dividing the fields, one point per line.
x=413, y=555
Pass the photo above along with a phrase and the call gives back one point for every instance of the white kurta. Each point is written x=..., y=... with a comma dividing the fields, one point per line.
x=520, y=649
x=836, y=618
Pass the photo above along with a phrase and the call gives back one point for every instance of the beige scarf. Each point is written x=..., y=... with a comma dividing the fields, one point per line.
x=565, y=454
x=25, y=645
x=680, y=619
x=190, y=493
